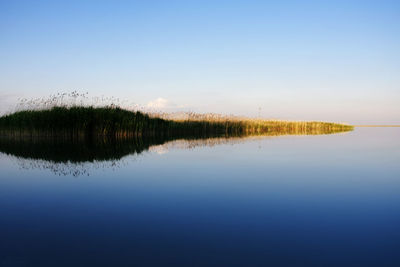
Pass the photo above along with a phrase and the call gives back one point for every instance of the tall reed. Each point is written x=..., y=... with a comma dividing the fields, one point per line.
x=83, y=121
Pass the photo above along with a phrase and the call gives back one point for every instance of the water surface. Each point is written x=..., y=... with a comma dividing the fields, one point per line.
x=329, y=200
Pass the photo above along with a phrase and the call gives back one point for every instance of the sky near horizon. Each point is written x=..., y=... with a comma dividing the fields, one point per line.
x=300, y=60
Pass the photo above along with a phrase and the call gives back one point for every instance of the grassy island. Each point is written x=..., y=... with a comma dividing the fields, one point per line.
x=82, y=121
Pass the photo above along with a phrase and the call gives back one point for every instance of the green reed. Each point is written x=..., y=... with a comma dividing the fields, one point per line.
x=83, y=121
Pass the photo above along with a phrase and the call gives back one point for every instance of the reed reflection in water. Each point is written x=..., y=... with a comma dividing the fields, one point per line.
x=328, y=200
x=77, y=156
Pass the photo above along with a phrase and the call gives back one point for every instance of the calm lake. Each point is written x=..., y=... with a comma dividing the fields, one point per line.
x=327, y=200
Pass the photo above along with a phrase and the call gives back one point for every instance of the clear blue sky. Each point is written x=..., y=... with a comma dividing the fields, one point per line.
x=314, y=60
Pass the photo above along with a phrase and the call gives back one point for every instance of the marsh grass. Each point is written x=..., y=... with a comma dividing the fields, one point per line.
x=112, y=121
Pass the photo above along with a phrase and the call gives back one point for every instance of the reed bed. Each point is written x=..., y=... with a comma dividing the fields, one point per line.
x=112, y=121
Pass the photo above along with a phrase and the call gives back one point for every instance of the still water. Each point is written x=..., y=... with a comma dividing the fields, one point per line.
x=329, y=200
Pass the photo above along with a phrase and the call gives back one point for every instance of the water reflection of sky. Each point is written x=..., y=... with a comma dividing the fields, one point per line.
x=293, y=200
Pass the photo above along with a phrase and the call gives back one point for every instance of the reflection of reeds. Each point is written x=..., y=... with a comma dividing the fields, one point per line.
x=77, y=157
x=82, y=121
x=76, y=150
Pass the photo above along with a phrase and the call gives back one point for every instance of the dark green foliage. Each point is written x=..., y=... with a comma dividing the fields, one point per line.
x=116, y=122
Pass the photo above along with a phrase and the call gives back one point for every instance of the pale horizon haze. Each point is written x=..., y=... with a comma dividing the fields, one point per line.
x=294, y=60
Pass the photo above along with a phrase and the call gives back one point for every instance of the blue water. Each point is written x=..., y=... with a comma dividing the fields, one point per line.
x=331, y=200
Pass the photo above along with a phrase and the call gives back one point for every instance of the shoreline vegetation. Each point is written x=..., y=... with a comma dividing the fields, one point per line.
x=77, y=122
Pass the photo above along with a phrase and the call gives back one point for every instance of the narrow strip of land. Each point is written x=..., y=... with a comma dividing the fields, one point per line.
x=376, y=125
x=111, y=121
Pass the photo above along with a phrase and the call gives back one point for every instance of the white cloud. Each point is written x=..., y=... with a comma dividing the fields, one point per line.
x=162, y=103
x=159, y=103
